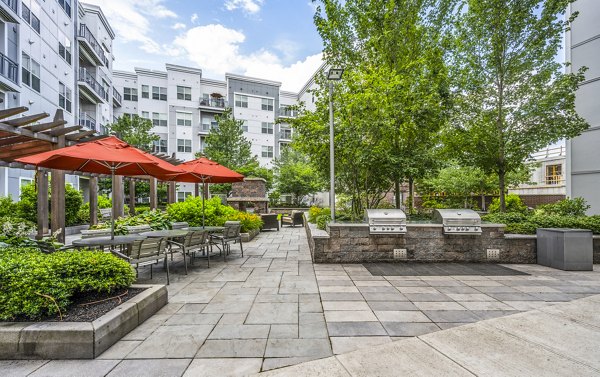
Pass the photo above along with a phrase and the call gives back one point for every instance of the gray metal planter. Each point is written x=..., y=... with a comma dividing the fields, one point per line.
x=565, y=249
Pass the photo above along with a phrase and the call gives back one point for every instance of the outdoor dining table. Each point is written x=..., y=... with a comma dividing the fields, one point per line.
x=209, y=229
x=126, y=240
x=173, y=233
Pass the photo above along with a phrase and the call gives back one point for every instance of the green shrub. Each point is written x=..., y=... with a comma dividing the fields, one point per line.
x=28, y=278
x=248, y=221
x=315, y=212
x=157, y=220
x=527, y=223
x=15, y=231
x=190, y=211
x=104, y=201
x=27, y=206
x=7, y=206
x=73, y=202
x=322, y=221
x=565, y=207
x=513, y=204
x=141, y=209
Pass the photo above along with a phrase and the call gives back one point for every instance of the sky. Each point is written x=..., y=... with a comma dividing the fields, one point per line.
x=270, y=39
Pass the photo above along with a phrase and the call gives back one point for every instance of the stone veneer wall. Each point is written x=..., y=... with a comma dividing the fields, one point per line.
x=352, y=243
x=251, y=190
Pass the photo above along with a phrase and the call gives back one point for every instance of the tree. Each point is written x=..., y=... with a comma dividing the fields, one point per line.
x=512, y=97
x=226, y=143
x=295, y=175
x=135, y=131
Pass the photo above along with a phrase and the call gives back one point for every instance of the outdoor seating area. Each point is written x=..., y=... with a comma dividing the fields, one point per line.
x=293, y=219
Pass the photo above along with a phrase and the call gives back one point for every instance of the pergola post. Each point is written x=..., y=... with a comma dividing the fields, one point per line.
x=117, y=192
x=132, y=197
x=171, y=197
x=93, y=200
x=42, y=203
x=57, y=198
x=153, y=194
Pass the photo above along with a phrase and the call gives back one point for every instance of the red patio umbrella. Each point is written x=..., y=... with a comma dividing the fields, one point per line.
x=105, y=156
x=207, y=171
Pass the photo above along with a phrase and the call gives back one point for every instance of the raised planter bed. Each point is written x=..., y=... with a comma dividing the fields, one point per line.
x=80, y=340
x=247, y=237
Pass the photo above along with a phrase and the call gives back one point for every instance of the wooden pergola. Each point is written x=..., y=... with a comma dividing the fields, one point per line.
x=25, y=135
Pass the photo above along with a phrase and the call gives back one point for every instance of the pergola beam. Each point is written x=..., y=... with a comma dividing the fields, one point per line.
x=22, y=121
x=7, y=113
x=45, y=126
x=62, y=131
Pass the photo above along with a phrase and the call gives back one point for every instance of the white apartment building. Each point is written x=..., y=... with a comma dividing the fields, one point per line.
x=182, y=106
x=55, y=54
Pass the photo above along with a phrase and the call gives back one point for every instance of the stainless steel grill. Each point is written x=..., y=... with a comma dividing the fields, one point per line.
x=386, y=221
x=458, y=221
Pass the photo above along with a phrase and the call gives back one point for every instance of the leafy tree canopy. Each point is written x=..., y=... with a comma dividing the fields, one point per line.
x=135, y=131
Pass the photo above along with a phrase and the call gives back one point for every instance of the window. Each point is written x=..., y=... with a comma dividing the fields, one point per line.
x=64, y=96
x=66, y=5
x=267, y=128
x=159, y=93
x=184, y=145
x=241, y=101
x=267, y=104
x=30, y=72
x=286, y=133
x=202, y=143
x=64, y=48
x=267, y=151
x=30, y=18
x=553, y=174
x=24, y=181
x=159, y=119
x=146, y=115
x=130, y=94
x=181, y=195
x=145, y=91
x=184, y=119
x=184, y=93
x=245, y=125
x=160, y=146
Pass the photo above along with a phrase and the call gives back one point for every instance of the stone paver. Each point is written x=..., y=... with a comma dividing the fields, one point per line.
x=274, y=308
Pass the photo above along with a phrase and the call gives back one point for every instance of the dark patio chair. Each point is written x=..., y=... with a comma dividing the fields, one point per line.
x=146, y=252
x=293, y=219
x=231, y=234
x=192, y=243
x=270, y=221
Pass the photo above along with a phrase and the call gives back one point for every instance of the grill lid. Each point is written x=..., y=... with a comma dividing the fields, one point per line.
x=385, y=216
x=458, y=221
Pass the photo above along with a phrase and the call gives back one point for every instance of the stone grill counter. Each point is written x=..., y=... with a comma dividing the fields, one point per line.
x=352, y=243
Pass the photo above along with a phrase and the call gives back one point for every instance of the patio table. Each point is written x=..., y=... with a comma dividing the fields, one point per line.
x=107, y=241
x=209, y=229
x=174, y=233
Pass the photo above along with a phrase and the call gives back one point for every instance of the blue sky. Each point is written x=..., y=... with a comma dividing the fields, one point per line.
x=272, y=39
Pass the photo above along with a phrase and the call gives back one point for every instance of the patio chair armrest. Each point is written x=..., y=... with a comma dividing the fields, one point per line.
x=121, y=255
x=175, y=243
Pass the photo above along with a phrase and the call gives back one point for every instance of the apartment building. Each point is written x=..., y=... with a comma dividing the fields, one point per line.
x=55, y=54
x=182, y=106
x=582, y=44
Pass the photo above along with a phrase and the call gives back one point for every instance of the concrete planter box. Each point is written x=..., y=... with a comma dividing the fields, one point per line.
x=565, y=249
x=95, y=233
x=79, y=340
x=247, y=237
x=70, y=230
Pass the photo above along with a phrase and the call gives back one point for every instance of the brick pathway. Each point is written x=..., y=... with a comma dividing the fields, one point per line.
x=274, y=308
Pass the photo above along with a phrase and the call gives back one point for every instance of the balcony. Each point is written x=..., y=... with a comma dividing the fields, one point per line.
x=9, y=73
x=117, y=98
x=206, y=127
x=213, y=104
x=286, y=112
x=87, y=121
x=91, y=88
x=8, y=11
x=285, y=134
x=91, y=49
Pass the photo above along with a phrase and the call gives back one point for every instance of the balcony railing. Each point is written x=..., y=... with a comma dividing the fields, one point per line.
x=8, y=68
x=554, y=180
x=213, y=102
x=285, y=134
x=287, y=112
x=88, y=78
x=117, y=95
x=12, y=4
x=85, y=33
x=87, y=121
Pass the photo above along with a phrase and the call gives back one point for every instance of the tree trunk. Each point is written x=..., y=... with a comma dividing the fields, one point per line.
x=397, y=193
x=411, y=198
x=501, y=185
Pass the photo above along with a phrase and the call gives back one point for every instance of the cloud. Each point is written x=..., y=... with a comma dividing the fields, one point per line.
x=248, y=6
x=194, y=18
x=226, y=56
x=178, y=26
x=131, y=20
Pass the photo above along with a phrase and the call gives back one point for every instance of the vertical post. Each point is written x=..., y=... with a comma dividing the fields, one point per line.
x=171, y=193
x=132, y=197
x=331, y=156
x=117, y=192
x=153, y=195
x=196, y=189
x=42, y=203
x=93, y=200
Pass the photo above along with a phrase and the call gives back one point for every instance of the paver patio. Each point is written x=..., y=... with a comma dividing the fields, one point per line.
x=274, y=308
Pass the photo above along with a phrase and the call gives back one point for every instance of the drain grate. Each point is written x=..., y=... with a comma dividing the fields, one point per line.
x=439, y=269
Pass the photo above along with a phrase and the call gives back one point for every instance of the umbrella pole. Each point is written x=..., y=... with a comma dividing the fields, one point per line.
x=203, y=194
x=112, y=212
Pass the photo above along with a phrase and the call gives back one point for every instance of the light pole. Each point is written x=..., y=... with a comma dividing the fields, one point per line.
x=334, y=74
